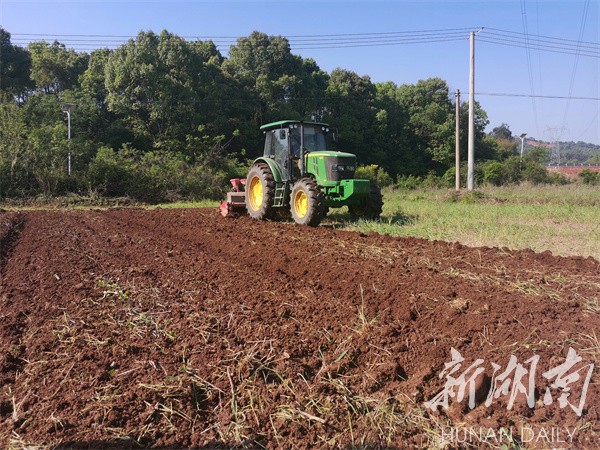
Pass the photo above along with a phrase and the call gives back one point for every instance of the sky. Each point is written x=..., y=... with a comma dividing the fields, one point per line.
x=499, y=68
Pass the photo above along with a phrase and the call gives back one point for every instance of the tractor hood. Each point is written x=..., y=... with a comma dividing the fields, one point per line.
x=331, y=167
x=328, y=153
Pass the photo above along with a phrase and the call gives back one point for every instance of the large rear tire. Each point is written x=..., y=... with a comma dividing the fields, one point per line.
x=371, y=207
x=307, y=202
x=260, y=191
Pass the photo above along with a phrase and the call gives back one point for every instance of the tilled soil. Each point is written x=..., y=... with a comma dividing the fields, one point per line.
x=127, y=328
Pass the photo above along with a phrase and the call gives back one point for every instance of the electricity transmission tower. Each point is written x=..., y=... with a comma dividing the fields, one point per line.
x=555, y=133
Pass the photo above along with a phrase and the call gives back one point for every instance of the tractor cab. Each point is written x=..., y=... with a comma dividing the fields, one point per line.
x=288, y=141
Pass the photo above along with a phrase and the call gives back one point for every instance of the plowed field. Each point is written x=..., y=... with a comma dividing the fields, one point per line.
x=126, y=328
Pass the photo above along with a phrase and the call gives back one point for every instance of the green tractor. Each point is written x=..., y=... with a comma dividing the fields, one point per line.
x=298, y=175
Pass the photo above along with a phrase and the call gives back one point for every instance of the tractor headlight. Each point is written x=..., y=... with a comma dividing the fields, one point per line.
x=350, y=168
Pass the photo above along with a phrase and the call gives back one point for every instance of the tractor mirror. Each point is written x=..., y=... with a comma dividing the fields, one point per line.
x=281, y=134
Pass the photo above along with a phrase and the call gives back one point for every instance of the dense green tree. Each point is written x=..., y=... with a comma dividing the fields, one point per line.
x=349, y=100
x=162, y=88
x=431, y=119
x=93, y=79
x=15, y=65
x=506, y=142
x=539, y=155
x=92, y=119
x=394, y=136
x=278, y=83
x=486, y=147
x=578, y=152
x=34, y=147
x=55, y=68
x=150, y=82
x=593, y=159
x=502, y=132
x=14, y=150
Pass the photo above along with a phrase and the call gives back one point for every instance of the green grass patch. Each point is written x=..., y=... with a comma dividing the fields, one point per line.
x=188, y=204
x=71, y=201
x=563, y=219
x=83, y=202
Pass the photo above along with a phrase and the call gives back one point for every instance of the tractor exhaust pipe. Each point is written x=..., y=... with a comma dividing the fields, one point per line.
x=302, y=165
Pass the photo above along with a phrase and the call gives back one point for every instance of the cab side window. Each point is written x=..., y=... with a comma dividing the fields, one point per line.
x=269, y=145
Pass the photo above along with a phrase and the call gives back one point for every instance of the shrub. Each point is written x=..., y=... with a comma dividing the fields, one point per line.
x=557, y=178
x=449, y=177
x=535, y=173
x=589, y=177
x=409, y=182
x=374, y=173
x=433, y=181
x=153, y=176
x=109, y=173
x=512, y=168
x=472, y=197
x=494, y=173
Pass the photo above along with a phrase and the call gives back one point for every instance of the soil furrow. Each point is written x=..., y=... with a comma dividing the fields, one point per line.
x=181, y=328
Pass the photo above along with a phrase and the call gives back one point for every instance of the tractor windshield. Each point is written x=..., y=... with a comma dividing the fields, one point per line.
x=315, y=138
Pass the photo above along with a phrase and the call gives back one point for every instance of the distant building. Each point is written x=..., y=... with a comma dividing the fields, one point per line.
x=571, y=171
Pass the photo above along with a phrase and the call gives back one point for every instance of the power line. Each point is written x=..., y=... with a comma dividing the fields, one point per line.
x=524, y=20
x=324, y=37
x=575, y=63
x=589, y=125
x=302, y=44
x=542, y=43
x=561, y=97
x=354, y=40
x=539, y=53
x=546, y=48
x=328, y=37
x=378, y=44
x=195, y=36
x=310, y=40
x=315, y=40
x=542, y=37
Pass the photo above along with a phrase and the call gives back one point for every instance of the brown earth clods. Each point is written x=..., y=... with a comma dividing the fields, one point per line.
x=127, y=328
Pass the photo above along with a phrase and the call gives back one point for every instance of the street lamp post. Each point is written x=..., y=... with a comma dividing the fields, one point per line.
x=522, y=136
x=67, y=108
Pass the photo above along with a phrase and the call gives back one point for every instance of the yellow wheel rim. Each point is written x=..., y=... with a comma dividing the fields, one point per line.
x=255, y=193
x=300, y=203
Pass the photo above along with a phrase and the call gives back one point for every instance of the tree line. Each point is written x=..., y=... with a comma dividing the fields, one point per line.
x=161, y=117
x=578, y=152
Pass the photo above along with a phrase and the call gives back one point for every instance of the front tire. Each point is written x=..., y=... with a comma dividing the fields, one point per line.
x=371, y=207
x=260, y=191
x=307, y=203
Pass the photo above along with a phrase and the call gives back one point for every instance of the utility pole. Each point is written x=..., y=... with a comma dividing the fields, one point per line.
x=69, y=137
x=471, y=149
x=457, y=138
x=67, y=108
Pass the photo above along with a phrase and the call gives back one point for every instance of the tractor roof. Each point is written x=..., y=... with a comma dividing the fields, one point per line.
x=284, y=123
